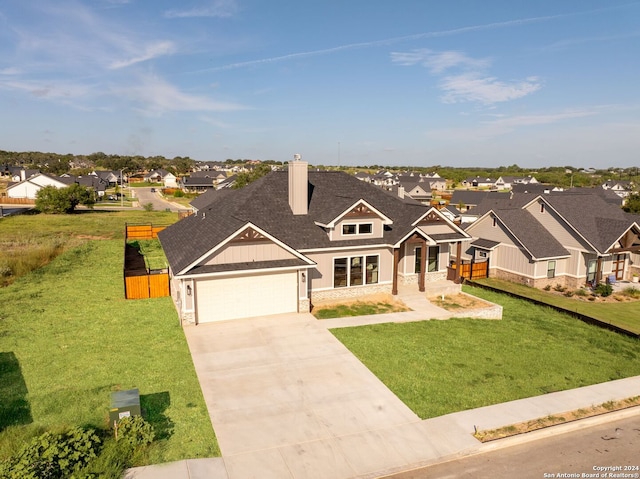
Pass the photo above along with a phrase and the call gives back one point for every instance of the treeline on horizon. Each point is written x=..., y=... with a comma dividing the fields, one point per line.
x=58, y=164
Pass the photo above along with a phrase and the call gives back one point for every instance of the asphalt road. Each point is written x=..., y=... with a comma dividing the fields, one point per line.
x=573, y=454
x=145, y=196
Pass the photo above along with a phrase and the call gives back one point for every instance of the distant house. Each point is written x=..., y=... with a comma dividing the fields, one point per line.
x=508, y=182
x=479, y=182
x=29, y=188
x=201, y=181
x=620, y=188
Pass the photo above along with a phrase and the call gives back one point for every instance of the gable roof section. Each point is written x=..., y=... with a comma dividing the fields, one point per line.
x=360, y=207
x=265, y=204
x=600, y=223
x=251, y=230
x=532, y=236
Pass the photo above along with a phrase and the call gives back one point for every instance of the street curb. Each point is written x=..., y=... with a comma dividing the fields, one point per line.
x=523, y=438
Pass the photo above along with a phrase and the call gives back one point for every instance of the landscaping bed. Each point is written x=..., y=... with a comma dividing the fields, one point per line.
x=363, y=306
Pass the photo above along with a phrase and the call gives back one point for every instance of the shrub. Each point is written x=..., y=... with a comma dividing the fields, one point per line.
x=568, y=294
x=135, y=431
x=148, y=206
x=631, y=292
x=52, y=456
x=559, y=288
x=581, y=292
x=547, y=287
x=178, y=194
x=603, y=289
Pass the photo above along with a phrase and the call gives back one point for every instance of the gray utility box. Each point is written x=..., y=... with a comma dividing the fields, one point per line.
x=124, y=404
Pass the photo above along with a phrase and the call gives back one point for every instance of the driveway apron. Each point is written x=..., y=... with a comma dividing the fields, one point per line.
x=287, y=399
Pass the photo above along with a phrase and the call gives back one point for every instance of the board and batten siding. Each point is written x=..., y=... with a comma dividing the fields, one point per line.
x=514, y=260
x=557, y=227
x=249, y=251
x=322, y=274
x=435, y=228
x=484, y=229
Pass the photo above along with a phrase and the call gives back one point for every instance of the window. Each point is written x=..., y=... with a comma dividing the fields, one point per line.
x=365, y=228
x=482, y=254
x=495, y=222
x=348, y=229
x=541, y=207
x=361, y=229
x=592, y=267
x=432, y=259
x=551, y=269
x=340, y=272
x=418, y=260
x=355, y=271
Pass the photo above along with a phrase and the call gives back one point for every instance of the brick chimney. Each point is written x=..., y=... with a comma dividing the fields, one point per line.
x=298, y=186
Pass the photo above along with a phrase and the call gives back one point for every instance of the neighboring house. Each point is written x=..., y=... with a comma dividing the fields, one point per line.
x=28, y=188
x=168, y=179
x=569, y=238
x=479, y=182
x=466, y=200
x=451, y=213
x=96, y=183
x=112, y=178
x=18, y=173
x=418, y=191
x=292, y=238
x=620, y=188
x=508, y=182
x=200, y=181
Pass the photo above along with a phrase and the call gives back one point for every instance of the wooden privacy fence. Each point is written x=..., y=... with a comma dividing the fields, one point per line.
x=472, y=270
x=142, y=231
x=146, y=284
x=139, y=281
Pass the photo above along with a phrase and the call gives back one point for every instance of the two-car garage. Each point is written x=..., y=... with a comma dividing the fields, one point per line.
x=245, y=296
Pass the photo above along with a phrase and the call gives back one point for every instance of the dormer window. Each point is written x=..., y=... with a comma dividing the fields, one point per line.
x=357, y=229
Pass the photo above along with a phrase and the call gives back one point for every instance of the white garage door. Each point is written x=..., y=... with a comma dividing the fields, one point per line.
x=247, y=296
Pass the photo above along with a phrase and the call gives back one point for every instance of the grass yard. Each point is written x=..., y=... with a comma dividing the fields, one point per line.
x=625, y=314
x=68, y=338
x=439, y=367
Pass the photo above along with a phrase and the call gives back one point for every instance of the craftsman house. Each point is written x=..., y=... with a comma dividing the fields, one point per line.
x=567, y=238
x=294, y=237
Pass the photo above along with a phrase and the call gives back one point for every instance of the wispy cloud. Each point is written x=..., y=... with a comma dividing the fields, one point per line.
x=217, y=8
x=506, y=124
x=437, y=62
x=149, y=52
x=472, y=87
x=393, y=40
x=156, y=96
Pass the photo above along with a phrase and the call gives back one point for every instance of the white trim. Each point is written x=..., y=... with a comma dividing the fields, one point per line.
x=235, y=234
x=245, y=272
x=357, y=233
x=345, y=248
x=385, y=219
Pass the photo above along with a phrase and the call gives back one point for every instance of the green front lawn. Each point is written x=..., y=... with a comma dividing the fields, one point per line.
x=439, y=367
x=68, y=338
x=623, y=314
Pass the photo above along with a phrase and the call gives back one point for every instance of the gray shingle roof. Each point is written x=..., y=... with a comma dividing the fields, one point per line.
x=265, y=204
x=531, y=234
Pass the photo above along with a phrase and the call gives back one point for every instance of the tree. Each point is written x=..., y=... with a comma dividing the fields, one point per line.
x=633, y=204
x=63, y=200
x=243, y=179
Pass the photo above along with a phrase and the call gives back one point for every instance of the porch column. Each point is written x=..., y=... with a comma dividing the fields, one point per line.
x=423, y=266
x=598, y=270
x=458, y=260
x=396, y=262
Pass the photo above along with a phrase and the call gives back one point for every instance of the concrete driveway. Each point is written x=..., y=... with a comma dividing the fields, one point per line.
x=287, y=399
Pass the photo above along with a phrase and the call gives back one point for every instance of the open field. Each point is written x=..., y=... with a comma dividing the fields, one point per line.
x=439, y=367
x=68, y=338
x=618, y=309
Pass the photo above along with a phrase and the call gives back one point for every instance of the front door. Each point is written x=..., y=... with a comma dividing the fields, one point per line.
x=618, y=266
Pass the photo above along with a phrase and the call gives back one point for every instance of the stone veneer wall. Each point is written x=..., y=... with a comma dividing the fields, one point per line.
x=564, y=281
x=428, y=278
x=304, y=305
x=349, y=293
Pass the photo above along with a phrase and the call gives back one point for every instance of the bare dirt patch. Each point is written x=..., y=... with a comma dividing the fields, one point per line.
x=553, y=420
x=371, y=298
x=458, y=302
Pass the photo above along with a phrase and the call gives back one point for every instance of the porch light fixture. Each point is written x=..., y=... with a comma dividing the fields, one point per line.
x=188, y=290
x=304, y=277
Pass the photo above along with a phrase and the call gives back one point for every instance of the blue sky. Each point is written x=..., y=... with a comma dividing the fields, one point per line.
x=350, y=82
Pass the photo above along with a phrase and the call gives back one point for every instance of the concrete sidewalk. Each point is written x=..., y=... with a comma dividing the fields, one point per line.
x=288, y=400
